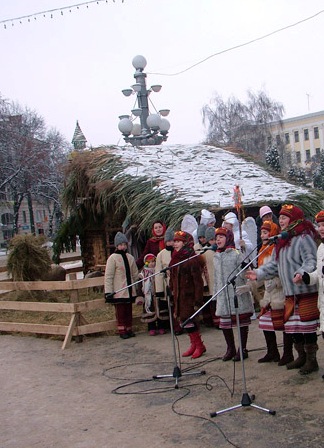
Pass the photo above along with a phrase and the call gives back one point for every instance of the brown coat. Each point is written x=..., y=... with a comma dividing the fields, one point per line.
x=187, y=286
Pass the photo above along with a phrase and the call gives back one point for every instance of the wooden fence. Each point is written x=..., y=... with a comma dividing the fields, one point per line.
x=78, y=325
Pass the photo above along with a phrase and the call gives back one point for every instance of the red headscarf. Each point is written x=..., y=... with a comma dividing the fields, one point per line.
x=160, y=239
x=187, y=249
x=229, y=243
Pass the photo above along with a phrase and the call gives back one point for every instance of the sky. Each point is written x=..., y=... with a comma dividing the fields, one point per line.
x=73, y=66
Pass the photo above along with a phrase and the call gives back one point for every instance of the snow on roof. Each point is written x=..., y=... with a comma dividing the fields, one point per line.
x=201, y=173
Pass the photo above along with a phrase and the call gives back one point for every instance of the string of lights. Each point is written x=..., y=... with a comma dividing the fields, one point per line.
x=239, y=46
x=50, y=12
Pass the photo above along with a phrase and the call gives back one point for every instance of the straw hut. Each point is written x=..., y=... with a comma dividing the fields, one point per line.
x=111, y=186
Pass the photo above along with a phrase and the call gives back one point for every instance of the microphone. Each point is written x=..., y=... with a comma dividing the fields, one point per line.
x=281, y=236
x=213, y=247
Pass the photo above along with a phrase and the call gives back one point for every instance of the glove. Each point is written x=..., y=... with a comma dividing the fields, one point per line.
x=109, y=296
x=242, y=289
x=139, y=300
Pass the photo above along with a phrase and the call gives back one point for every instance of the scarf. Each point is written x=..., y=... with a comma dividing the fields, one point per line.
x=127, y=269
x=298, y=227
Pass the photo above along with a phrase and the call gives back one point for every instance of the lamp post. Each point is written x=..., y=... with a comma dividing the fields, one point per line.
x=153, y=128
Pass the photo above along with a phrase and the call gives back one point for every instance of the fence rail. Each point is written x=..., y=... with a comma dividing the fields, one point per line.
x=78, y=325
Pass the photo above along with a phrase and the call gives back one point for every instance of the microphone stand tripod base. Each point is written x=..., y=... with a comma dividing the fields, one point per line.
x=246, y=401
x=177, y=374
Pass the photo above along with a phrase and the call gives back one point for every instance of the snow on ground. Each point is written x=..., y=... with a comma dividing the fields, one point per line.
x=205, y=174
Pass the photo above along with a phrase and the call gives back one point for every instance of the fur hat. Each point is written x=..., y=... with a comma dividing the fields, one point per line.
x=294, y=213
x=201, y=230
x=207, y=217
x=221, y=231
x=230, y=217
x=120, y=238
x=169, y=234
x=210, y=233
x=320, y=216
x=185, y=237
x=265, y=210
x=148, y=258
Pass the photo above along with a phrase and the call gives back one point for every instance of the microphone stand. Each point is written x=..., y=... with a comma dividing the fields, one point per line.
x=246, y=400
x=176, y=370
x=177, y=374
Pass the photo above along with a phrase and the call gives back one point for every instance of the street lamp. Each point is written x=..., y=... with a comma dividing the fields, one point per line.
x=153, y=128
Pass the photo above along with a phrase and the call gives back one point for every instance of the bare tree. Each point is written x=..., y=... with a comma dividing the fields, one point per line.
x=31, y=159
x=243, y=125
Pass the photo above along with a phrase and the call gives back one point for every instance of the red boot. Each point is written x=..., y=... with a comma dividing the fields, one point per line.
x=200, y=348
x=192, y=347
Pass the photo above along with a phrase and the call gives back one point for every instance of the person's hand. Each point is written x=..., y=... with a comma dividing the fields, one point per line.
x=251, y=275
x=109, y=296
x=243, y=289
x=298, y=278
x=139, y=300
x=242, y=244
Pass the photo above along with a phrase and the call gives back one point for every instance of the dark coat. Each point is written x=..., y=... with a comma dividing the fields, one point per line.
x=186, y=284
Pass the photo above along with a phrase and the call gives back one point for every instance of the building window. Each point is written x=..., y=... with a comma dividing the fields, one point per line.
x=318, y=154
x=306, y=134
x=308, y=157
x=269, y=141
x=24, y=216
x=316, y=133
x=296, y=134
x=7, y=219
x=287, y=139
x=298, y=158
x=278, y=139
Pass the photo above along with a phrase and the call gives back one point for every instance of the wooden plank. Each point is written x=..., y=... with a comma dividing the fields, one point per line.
x=67, y=259
x=90, y=305
x=66, y=285
x=100, y=327
x=68, y=336
x=37, y=306
x=3, y=268
x=33, y=328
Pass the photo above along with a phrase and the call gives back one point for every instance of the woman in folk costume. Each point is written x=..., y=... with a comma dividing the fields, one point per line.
x=227, y=263
x=121, y=271
x=186, y=285
x=153, y=244
x=272, y=303
x=294, y=255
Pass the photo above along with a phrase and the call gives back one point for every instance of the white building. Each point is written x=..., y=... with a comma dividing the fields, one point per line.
x=302, y=136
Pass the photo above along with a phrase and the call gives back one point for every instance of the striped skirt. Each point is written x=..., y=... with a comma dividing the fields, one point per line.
x=227, y=322
x=293, y=324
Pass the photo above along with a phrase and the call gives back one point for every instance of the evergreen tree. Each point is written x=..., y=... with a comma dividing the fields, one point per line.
x=273, y=158
x=318, y=177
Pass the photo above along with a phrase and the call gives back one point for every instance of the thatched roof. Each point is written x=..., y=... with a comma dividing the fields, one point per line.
x=166, y=182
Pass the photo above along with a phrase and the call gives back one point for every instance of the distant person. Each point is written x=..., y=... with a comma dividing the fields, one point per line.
x=154, y=244
x=265, y=214
x=241, y=240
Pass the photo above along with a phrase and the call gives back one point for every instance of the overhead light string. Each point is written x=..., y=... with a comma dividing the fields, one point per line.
x=50, y=12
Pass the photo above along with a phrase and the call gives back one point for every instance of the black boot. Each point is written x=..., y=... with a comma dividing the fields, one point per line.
x=301, y=360
x=244, y=335
x=231, y=350
x=311, y=364
x=272, y=349
x=287, y=355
